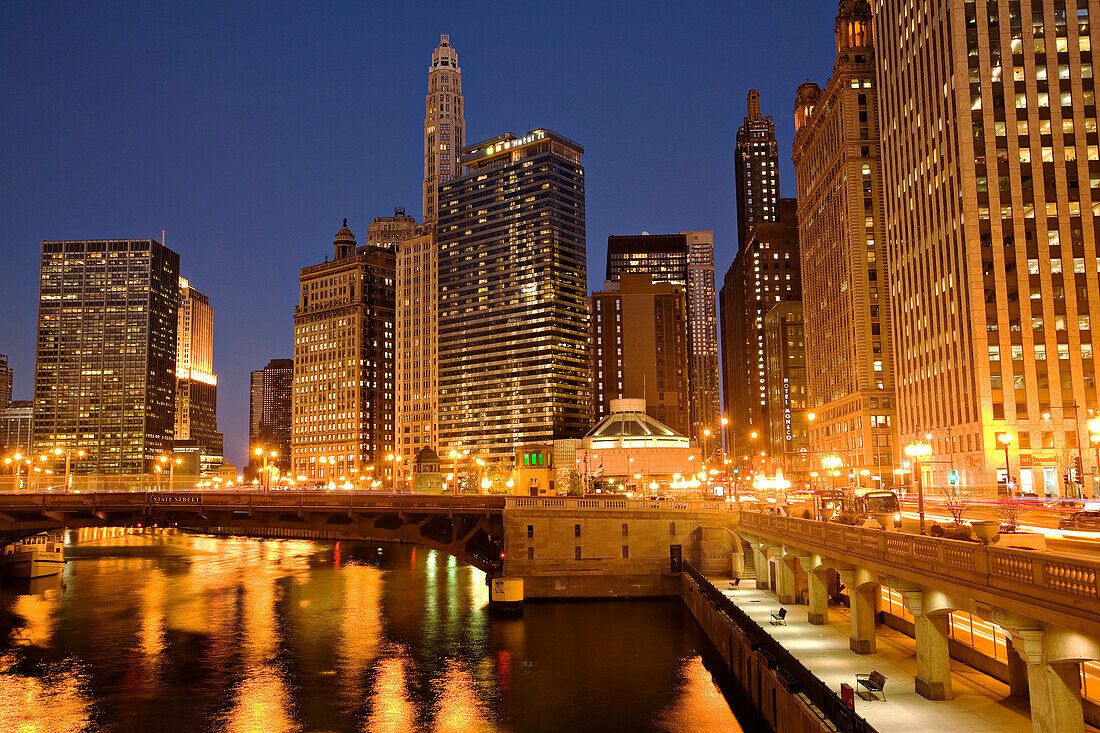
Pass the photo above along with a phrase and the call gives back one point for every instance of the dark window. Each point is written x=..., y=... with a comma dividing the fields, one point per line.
x=626, y=530
x=576, y=530
x=626, y=551
x=672, y=528
x=530, y=530
x=577, y=553
x=530, y=553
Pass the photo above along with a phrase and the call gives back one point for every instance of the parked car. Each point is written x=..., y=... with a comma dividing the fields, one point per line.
x=1088, y=521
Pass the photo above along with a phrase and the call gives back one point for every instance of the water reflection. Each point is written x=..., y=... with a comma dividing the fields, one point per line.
x=157, y=630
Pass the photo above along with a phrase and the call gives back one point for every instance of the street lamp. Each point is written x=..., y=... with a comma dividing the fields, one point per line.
x=916, y=451
x=68, y=464
x=832, y=464
x=1006, y=440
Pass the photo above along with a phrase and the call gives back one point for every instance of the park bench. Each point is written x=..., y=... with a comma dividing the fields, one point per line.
x=779, y=618
x=874, y=682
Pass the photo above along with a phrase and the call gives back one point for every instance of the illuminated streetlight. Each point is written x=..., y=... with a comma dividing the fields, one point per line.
x=916, y=451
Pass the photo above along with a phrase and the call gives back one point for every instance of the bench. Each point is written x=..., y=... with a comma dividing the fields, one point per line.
x=874, y=682
x=734, y=583
x=779, y=618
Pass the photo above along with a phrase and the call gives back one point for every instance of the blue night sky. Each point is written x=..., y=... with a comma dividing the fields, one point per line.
x=248, y=130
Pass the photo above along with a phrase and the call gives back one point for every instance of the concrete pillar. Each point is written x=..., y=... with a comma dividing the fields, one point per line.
x=760, y=563
x=785, y=575
x=933, y=680
x=819, y=598
x=862, y=591
x=1055, y=691
x=737, y=558
x=1017, y=672
x=931, y=611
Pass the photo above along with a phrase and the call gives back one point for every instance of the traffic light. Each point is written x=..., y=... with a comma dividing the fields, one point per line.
x=1065, y=480
x=1079, y=468
x=953, y=478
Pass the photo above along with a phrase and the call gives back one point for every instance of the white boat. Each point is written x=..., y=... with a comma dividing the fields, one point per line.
x=33, y=557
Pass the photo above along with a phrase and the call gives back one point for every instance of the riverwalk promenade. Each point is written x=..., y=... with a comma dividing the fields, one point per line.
x=981, y=703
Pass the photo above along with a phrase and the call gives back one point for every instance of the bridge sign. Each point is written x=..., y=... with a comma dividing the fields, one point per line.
x=174, y=499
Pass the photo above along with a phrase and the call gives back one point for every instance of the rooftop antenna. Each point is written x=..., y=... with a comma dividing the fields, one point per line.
x=162, y=237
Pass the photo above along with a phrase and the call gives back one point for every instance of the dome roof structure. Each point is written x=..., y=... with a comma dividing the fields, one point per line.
x=628, y=425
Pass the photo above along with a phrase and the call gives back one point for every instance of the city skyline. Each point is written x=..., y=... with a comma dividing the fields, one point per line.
x=244, y=244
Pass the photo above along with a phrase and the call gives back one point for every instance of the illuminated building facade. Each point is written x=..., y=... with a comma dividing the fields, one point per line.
x=685, y=259
x=196, y=383
x=444, y=124
x=756, y=170
x=992, y=186
x=764, y=272
x=785, y=357
x=513, y=306
x=269, y=418
x=105, y=364
x=638, y=341
x=417, y=354
x=343, y=397
x=7, y=377
x=16, y=430
x=845, y=280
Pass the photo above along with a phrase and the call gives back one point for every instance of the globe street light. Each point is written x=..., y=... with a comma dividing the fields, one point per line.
x=1006, y=440
x=832, y=464
x=916, y=451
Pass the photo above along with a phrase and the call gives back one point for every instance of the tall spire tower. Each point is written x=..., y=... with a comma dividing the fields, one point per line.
x=444, y=123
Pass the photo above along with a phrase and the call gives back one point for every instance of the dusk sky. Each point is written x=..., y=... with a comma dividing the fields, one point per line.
x=247, y=131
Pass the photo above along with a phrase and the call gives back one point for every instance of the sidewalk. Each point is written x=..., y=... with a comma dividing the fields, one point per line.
x=981, y=703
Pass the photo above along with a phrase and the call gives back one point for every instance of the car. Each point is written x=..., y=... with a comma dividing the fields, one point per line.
x=1088, y=521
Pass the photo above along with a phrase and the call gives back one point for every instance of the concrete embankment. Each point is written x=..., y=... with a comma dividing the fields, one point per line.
x=787, y=696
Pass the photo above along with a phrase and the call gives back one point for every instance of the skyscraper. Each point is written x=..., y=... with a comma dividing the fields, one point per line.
x=196, y=384
x=444, y=124
x=343, y=363
x=764, y=272
x=513, y=310
x=685, y=259
x=845, y=289
x=785, y=360
x=105, y=365
x=7, y=377
x=388, y=232
x=756, y=170
x=993, y=186
x=639, y=343
x=417, y=353
x=269, y=418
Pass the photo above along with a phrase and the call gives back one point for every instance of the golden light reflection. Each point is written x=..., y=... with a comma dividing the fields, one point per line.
x=32, y=705
x=458, y=709
x=261, y=702
x=700, y=705
x=392, y=708
x=360, y=628
x=38, y=614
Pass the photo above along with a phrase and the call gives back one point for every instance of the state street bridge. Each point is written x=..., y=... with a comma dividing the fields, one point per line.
x=561, y=547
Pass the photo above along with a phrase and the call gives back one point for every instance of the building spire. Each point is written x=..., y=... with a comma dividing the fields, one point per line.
x=444, y=123
x=754, y=104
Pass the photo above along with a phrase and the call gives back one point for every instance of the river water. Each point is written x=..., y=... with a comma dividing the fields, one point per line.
x=174, y=632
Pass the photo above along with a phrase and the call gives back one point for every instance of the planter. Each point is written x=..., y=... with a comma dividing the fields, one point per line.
x=985, y=529
x=886, y=521
x=1023, y=540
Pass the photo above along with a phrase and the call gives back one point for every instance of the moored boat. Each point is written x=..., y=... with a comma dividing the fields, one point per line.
x=33, y=557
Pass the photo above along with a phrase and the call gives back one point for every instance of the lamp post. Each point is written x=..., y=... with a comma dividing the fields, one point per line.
x=832, y=464
x=68, y=464
x=1094, y=438
x=1005, y=439
x=916, y=451
x=706, y=443
x=725, y=421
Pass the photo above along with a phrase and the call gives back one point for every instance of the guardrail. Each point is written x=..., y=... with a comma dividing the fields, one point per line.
x=1046, y=579
x=335, y=500
x=564, y=502
x=801, y=679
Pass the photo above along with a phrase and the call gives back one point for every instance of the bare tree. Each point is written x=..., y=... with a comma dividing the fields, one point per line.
x=1009, y=509
x=956, y=503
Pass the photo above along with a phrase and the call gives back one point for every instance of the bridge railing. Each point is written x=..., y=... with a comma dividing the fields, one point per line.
x=800, y=677
x=334, y=500
x=571, y=502
x=1068, y=581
